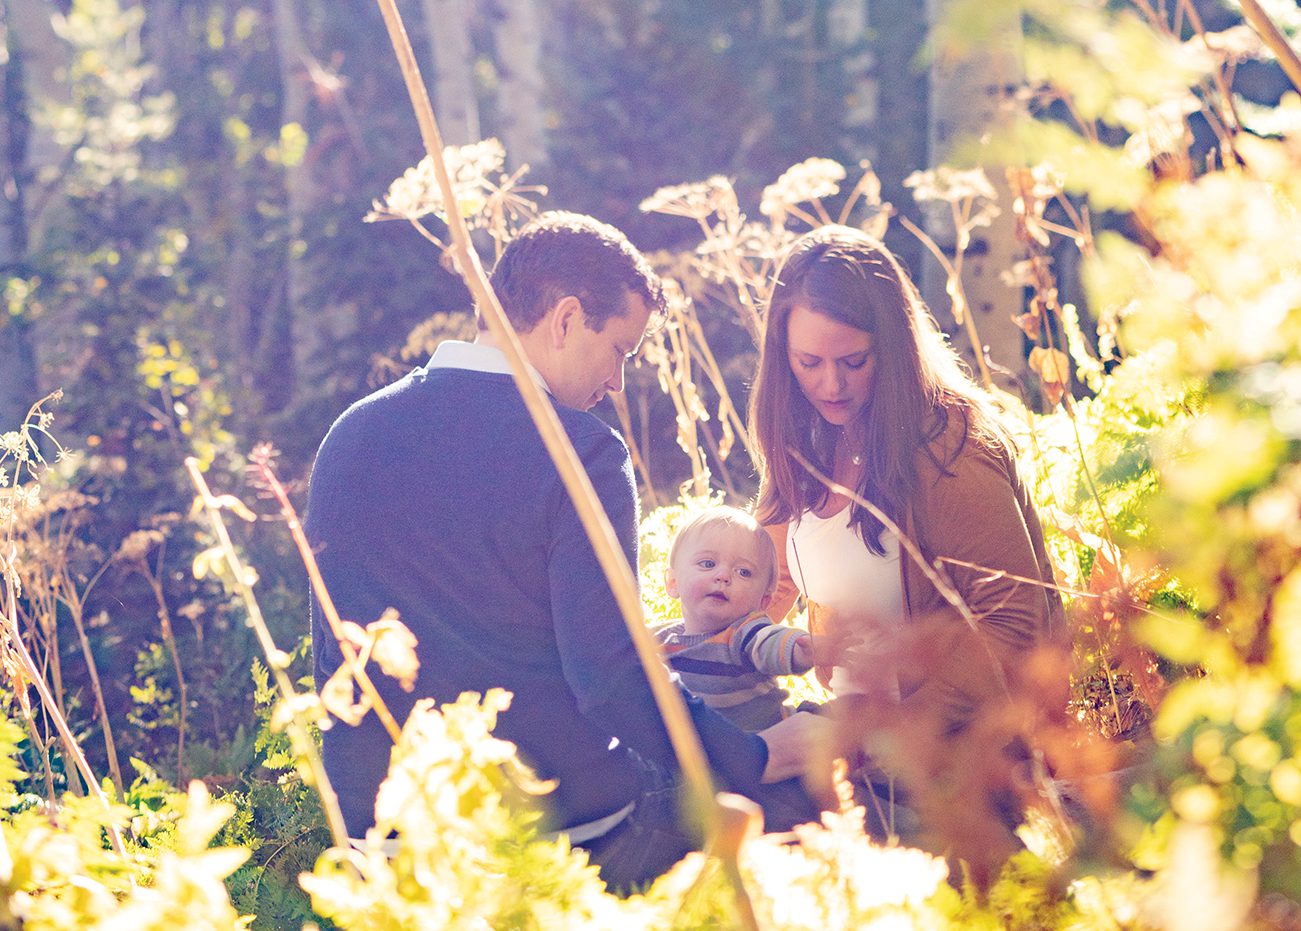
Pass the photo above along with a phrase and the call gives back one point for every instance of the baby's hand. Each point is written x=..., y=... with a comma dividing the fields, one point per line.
x=825, y=649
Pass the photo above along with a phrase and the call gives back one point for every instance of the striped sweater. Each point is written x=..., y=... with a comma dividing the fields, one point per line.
x=732, y=670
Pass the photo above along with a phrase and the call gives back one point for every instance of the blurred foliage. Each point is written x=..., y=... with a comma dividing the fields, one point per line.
x=1156, y=142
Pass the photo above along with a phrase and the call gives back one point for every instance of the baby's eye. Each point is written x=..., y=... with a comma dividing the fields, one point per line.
x=744, y=573
x=706, y=563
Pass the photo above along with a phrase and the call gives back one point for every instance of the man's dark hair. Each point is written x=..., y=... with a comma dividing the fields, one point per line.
x=561, y=254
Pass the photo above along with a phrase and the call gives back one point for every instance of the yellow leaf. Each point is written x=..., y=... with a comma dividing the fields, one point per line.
x=206, y=563
x=337, y=695
x=355, y=634
x=1285, y=631
x=230, y=502
x=1054, y=370
x=394, y=649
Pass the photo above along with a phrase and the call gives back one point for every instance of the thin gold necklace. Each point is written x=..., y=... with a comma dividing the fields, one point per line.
x=855, y=458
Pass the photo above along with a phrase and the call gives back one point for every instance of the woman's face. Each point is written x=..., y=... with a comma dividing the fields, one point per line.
x=832, y=363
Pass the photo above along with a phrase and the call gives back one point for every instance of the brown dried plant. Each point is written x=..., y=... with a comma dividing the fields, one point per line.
x=23, y=465
x=737, y=257
x=733, y=267
x=1024, y=747
x=667, y=350
x=133, y=554
x=973, y=203
x=50, y=576
x=685, y=741
x=297, y=712
x=489, y=197
x=386, y=640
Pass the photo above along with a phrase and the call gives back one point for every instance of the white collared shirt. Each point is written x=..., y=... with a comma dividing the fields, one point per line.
x=478, y=357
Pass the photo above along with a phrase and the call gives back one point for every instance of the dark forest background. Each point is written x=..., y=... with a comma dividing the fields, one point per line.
x=183, y=252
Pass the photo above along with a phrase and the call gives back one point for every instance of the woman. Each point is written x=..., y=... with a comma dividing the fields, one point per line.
x=857, y=380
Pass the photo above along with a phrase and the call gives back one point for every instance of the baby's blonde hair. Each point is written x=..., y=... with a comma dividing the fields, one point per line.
x=730, y=516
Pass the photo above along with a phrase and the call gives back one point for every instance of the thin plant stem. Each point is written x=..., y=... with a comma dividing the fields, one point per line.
x=1060, y=589
x=864, y=180
x=679, y=378
x=70, y=745
x=101, y=709
x=75, y=601
x=355, y=663
x=298, y=723
x=823, y=216
x=934, y=574
x=725, y=406
x=959, y=297
x=618, y=573
x=1264, y=27
x=620, y=402
x=169, y=638
x=712, y=445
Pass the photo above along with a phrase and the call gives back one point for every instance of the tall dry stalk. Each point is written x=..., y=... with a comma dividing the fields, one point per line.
x=262, y=458
x=301, y=709
x=24, y=673
x=22, y=462
x=666, y=349
x=134, y=553
x=74, y=599
x=620, y=403
x=972, y=203
x=686, y=742
x=1272, y=36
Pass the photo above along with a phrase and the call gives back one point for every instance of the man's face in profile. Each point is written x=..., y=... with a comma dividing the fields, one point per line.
x=591, y=362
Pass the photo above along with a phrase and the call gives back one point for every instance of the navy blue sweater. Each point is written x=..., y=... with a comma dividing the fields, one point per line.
x=435, y=496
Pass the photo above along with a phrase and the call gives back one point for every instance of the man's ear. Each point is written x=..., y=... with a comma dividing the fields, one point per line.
x=670, y=583
x=565, y=315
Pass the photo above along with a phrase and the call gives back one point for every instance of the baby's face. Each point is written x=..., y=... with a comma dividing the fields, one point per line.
x=721, y=574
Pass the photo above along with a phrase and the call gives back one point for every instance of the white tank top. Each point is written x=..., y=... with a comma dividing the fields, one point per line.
x=851, y=586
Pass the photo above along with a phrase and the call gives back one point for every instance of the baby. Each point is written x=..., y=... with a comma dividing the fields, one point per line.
x=723, y=568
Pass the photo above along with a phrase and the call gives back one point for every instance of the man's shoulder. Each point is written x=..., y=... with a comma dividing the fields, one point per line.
x=468, y=393
x=586, y=425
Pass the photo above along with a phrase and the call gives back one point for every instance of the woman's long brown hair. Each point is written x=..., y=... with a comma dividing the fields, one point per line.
x=919, y=384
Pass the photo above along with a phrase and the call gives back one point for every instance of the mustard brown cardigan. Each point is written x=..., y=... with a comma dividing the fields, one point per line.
x=974, y=520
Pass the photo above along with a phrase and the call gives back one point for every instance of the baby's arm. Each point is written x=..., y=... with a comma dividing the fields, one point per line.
x=774, y=649
x=825, y=649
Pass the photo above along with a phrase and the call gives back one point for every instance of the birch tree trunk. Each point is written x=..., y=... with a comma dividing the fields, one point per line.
x=17, y=356
x=520, y=96
x=847, y=30
x=447, y=24
x=168, y=41
x=30, y=56
x=289, y=335
x=966, y=96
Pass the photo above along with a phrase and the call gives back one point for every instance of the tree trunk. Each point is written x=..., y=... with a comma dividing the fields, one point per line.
x=847, y=31
x=447, y=24
x=168, y=42
x=966, y=96
x=18, y=385
x=282, y=361
x=520, y=97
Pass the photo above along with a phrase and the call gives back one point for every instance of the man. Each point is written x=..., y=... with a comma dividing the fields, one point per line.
x=435, y=496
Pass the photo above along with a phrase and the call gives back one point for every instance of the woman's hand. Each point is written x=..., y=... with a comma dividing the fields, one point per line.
x=794, y=743
x=826, y=648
